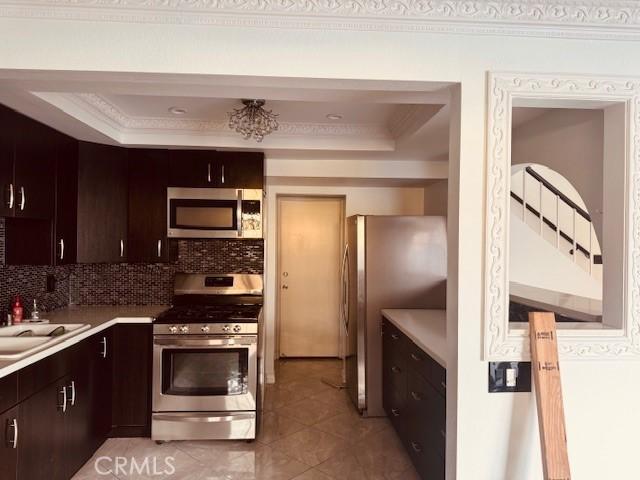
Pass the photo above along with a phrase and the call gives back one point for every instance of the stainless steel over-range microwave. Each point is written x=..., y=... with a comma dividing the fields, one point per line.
x=214, y=213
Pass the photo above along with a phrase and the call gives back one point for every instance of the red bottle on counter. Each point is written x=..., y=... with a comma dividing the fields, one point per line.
x=16, y=310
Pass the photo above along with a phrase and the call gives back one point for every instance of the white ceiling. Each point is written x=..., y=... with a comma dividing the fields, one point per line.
x=380, y=120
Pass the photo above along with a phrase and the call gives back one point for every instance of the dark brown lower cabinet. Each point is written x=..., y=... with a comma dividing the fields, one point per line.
x=132, y=351
x=414, y=397
x=62, y=408
x=9, y=422
x=41, y=447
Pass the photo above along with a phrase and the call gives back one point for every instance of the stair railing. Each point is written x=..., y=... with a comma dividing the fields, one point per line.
x=560, y=197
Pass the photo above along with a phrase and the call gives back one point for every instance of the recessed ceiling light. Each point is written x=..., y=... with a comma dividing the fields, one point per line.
x=334, y=116
x=177, y=110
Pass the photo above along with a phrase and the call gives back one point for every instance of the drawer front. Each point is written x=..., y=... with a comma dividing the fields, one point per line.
x=427, y=417
x=430, y=465
x=420, y=362
x=395, y=406
x=8, y=391
x=439, y=377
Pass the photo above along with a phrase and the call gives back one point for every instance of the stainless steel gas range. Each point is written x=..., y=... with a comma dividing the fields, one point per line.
x=207, y=359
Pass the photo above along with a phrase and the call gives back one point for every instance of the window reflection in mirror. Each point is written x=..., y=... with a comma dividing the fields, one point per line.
x=559, y=188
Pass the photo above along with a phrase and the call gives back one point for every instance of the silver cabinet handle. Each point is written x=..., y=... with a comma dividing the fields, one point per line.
x=395, y=336
x=395, y=369
x=239, y=213
x=62, y=249
x=14, y=425
x=73, y=392
x=121, y=248
x=416, y=396
x=416, y=357
x=12, y=197
x=416, y=447
x=63, y=406
x=23, y=198
x=104, y=347
x=209, y=172
x=222, y=175
x=443, y=385
x=395, y=412
x=159, y=248
x=443, y=434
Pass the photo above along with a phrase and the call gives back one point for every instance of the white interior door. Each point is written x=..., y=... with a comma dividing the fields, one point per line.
x=309, y=251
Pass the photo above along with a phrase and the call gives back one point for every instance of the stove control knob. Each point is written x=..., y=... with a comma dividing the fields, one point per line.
x=237, y=328
x=226, y=328
x=205, y=329
x=173, y=329
x=184, y=329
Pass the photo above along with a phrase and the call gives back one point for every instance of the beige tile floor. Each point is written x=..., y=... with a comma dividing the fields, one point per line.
x=310, y=431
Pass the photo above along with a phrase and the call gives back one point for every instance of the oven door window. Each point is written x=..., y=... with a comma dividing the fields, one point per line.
x=200, y=372
x=204, y=214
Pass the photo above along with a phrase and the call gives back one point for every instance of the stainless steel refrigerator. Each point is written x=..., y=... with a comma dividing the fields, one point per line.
x=388, y=262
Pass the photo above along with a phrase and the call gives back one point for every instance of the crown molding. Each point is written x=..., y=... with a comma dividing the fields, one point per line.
x=559, y=18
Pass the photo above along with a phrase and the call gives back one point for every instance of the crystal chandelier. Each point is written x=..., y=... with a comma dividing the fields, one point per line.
x=252, y=120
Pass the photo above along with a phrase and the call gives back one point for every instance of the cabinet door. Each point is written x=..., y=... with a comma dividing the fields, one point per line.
x=240, y=170
x=193, y=168
x=102, y=203
x=9, y=438
x=148, y=176
x=132, y=351
x=80, y=442
x=7, y=186
x=66, y=218
x=394, y=377
x=34, y=170
x=41, y=450
x=103, y=374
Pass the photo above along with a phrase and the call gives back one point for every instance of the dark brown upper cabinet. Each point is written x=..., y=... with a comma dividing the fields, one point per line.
x=102, y=203
x=192, y=168
x=208, y=168
x=66, y=219
x=148, y=179
x=241, y=169
x=7, y=150
x=27, y=166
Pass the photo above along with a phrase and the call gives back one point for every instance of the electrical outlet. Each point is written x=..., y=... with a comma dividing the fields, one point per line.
x=509, y=377
x=51, y=283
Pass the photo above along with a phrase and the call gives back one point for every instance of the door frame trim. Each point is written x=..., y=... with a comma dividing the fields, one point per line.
x=279, y=197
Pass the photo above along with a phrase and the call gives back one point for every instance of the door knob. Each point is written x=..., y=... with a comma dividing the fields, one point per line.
x=285, y=287
x=285, y=274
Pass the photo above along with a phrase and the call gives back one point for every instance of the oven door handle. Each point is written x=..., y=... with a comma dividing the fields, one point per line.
x=204, y=418
x=208, y=342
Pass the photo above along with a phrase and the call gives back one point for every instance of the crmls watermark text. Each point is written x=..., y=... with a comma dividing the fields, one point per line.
x=125, y=466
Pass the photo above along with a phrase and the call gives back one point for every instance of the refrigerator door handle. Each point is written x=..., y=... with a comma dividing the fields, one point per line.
x=344, y=276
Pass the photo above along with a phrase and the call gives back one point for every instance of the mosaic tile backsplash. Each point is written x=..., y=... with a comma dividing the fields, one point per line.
x=125, y=283
x=152, y=284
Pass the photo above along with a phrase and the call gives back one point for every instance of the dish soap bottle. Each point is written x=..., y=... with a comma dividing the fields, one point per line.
x=17, y=310
x=35, y=313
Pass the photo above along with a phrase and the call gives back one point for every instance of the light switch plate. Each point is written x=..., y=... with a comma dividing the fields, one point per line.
x=509, y=377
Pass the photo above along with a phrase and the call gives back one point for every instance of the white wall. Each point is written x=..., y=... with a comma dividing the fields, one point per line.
x=435, y=198
x=494, y=435
x=358, y=200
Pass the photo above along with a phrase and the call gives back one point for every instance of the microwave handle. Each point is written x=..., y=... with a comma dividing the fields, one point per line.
x=239, y=214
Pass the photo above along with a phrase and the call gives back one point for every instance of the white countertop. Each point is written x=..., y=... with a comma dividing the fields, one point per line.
x=100, y=318
x=426, y=328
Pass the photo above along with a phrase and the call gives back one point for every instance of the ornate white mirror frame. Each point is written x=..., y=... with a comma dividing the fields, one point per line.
x=610, y=341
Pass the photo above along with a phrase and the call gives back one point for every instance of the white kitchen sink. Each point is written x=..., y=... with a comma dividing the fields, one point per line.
x=13, y=347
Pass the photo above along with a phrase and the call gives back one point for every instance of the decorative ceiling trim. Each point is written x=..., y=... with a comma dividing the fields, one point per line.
x=559, y=18
x=132, y=123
